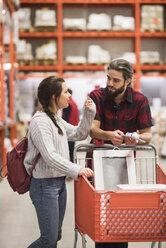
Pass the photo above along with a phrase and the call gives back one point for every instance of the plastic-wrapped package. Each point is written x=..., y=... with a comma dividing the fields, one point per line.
x=99, y=22
x=8, y=24
x=123, y=23
x=152, y=18
x=150, y=57
x=15, y=27
x=97, y=55
x=24, y=15
x=130, y=56
x=75, y=60
x=74, y=24
x=45, y=18
x=46, y=51
x=140, y=187
x=24, y=50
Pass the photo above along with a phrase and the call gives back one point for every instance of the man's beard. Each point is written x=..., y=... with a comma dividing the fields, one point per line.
x=113, y=95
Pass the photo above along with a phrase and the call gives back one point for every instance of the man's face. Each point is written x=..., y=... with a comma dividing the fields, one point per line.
x=115, y=84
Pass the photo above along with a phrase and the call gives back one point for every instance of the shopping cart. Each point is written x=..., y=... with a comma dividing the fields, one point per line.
x=108, y=216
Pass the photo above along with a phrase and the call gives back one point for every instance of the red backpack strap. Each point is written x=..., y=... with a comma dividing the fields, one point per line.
x=36, y=160
x=38, y=156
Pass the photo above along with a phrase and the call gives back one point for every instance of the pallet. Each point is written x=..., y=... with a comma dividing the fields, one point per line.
x=45, y=29
x=45, y=62
x=97, y=30
x=152, y=30
x=71, y=63
x=122, y=30
x=98, y=64
x=25, y=62
x=153, y=63
x=25, y=30
x=73, y=29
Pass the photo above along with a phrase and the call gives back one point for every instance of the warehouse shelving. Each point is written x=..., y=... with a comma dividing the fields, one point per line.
x=61, y=36
x=2, y=113
x=11, y=59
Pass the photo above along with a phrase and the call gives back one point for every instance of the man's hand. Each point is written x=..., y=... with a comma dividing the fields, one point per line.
x=130, y=141
x=116, y=137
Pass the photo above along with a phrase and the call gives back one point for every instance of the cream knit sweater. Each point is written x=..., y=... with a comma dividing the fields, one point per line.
x=43, y=137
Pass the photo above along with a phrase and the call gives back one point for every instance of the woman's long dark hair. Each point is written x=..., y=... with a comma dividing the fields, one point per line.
x=50, y=86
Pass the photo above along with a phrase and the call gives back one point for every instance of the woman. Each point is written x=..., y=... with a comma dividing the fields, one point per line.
x=48, y=135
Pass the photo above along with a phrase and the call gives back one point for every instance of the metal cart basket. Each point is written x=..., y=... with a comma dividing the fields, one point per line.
x=108, y=216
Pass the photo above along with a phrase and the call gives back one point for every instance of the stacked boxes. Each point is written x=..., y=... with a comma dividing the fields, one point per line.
x=24, y=18
x=43, y=18
x=152, y=18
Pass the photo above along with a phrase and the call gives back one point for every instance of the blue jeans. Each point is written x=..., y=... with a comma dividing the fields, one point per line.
x=49, y=198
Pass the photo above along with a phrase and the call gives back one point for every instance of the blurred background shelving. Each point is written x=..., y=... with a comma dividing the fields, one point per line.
x=8, y=76
x=76, y=40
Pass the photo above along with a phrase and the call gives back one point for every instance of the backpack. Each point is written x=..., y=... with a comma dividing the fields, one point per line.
x=17, y=175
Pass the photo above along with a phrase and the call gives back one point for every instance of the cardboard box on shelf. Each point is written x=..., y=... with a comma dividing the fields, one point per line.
x=152, y=18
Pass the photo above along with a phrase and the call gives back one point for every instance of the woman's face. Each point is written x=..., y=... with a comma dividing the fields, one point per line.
x=63, y=99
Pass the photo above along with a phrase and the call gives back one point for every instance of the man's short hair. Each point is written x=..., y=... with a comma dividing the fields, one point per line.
x=122, y=65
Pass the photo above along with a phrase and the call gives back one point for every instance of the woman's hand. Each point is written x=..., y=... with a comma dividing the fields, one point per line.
x=88, y=103
x=86, y=172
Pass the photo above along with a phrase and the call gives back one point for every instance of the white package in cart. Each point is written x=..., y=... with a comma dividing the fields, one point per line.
x=113, y=167
x=140, y=188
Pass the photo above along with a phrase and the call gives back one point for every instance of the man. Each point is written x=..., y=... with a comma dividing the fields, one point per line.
x=120, y=110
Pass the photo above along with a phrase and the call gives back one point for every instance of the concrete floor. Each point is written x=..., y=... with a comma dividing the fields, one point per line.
x=18, y=227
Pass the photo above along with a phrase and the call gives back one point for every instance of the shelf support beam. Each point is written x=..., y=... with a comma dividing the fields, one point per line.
x=137, y=46
x=60, y=38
